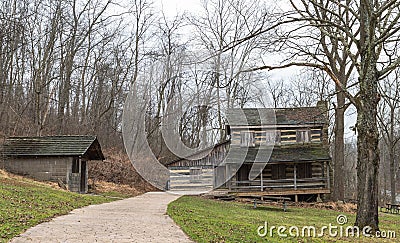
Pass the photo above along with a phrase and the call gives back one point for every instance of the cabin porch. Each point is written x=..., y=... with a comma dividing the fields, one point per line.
x=282, y=178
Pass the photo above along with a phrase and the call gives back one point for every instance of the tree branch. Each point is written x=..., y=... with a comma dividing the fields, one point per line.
x=325, y=68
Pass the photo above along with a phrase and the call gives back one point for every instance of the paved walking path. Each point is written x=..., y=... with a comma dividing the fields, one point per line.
x=139, y=219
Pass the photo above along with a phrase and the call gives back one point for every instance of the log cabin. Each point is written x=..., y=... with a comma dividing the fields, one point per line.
x=268, y=152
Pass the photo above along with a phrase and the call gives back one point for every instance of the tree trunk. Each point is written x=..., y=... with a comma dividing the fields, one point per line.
x=368, y=135
x=384, y=169
x=367, y=147
x=367, y=167
x=391, y=146
x=338, y=191
x=393, y=170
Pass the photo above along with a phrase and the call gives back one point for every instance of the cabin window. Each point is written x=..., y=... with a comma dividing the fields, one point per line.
x=303, y=136
x=247, y=139
x=75, y=165
x=268, y=137
x=228, y=130
x=278, y=137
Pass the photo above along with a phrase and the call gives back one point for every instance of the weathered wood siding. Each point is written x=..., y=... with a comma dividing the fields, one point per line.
x=48, y=169
x=207, y=158
x=44, y=169
x=282, y=135
x=194, y=178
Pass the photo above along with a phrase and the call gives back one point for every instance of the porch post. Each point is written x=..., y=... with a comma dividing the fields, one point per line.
x=296, y=199
x=262, y=184
x=229, y=182
x=327, y=174
x=295, y=176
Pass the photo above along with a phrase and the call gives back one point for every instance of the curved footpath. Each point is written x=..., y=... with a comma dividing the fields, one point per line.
x=138, y=219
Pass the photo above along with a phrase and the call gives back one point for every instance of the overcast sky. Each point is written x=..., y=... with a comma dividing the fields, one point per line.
x=174, y=7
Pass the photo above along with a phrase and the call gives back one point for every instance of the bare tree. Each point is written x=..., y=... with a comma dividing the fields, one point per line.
x=303, y=93
x=319, y=45
x=83, y=18
x=53, y=56
x=13, y=56
x=220, y=23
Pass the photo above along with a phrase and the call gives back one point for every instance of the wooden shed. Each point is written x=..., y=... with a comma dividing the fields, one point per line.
x=52, y=158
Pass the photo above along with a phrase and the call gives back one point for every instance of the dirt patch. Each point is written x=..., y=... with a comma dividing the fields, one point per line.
x=118, y=169
x=3, y=174
x=102, y=187
x=97, y=187
x=22, y=180
x=336, y=206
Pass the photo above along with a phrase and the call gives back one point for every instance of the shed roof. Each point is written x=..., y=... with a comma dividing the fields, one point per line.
x=277, y=116
x=58, y=146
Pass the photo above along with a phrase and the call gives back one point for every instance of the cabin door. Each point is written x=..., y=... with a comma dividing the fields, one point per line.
x=278, y=171
x=83, y=176
x=304, y=170
x=242, y=176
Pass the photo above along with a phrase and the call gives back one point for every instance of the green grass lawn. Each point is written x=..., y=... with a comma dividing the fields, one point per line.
x=205, y=220
x=25, y=203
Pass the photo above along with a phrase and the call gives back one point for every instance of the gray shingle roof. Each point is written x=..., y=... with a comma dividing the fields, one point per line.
x=282, y=116
x=85, y=146
x=290, y=154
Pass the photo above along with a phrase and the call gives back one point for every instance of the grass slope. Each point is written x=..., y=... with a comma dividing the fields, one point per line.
x=207, y=220
x=25, y=203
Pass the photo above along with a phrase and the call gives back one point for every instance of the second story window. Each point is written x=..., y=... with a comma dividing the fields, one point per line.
x=303, y=136
x=269, y=137
x=247, y=139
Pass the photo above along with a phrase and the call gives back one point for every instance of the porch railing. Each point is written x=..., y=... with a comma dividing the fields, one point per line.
x=292, y=183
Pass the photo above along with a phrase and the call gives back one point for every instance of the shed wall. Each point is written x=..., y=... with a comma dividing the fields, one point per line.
x=44, y=168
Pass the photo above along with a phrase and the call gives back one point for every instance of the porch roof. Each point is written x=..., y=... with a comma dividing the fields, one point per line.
x=278, y=154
